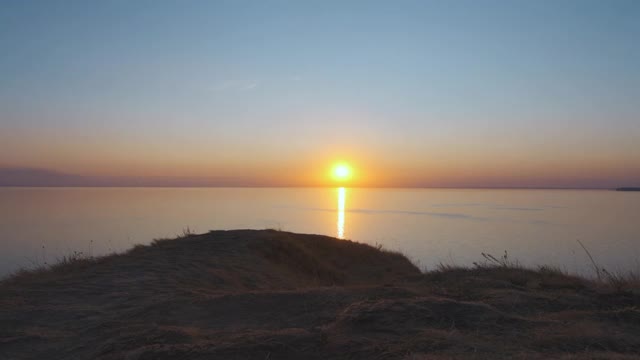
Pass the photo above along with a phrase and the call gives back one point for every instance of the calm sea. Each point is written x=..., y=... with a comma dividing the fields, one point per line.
x=39, y=225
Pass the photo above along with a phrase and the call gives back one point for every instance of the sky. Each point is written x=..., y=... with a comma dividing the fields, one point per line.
x=272, y=93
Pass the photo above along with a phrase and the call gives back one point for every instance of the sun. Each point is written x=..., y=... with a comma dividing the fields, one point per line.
x=341, y=172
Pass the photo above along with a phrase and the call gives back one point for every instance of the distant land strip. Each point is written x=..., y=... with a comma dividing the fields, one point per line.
x=36, y=177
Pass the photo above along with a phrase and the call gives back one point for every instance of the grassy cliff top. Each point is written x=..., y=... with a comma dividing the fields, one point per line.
x=249, y=294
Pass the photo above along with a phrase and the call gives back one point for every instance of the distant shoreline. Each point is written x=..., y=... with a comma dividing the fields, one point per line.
x=302, y=187
x=628, y=189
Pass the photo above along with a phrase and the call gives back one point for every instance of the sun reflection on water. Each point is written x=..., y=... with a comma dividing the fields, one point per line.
x=342, y=192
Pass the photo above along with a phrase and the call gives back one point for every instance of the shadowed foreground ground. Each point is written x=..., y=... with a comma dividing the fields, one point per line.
x=275, y=295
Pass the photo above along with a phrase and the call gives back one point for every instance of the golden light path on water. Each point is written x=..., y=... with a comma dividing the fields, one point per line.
x=342, y=192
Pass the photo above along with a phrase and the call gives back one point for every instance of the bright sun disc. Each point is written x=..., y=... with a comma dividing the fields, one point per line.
x=341, y=172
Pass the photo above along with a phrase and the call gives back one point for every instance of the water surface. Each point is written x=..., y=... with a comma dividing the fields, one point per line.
x=38, y=225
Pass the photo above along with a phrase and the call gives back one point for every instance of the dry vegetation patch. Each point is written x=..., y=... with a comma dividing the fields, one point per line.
x=268, y=294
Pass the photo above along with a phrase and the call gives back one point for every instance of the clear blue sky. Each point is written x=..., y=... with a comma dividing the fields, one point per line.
x=434, y=93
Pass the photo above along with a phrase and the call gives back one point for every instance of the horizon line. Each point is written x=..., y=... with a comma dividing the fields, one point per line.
x=313, y=187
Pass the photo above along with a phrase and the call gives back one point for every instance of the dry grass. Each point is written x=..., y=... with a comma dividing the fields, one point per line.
x=278, y=295
x=73, y=263
x=544, y=274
